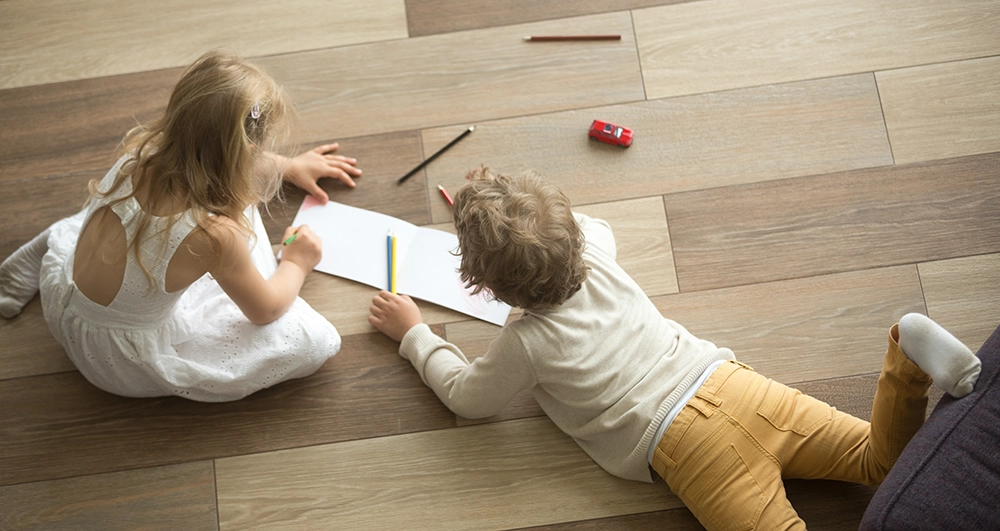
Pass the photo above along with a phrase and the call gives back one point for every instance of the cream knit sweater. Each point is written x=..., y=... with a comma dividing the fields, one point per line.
x=605, y=365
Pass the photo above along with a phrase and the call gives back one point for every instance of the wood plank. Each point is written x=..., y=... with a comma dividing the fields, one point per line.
x=171, y=497
x=838, y=222
x=382, y=159
x=459, y=78
x=823, y=505
x=428, y=17
x=29, y=207
x=102, y=38
x=681, y=144
x=643, y=241
x=76, y=126
x=716, y=45
x=803, y=329
x=942, y=110
x=963, y=295
x=28, y=346
x=465, y=478
x=59, y=426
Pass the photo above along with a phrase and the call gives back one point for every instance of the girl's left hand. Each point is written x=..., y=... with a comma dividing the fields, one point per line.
x=306, y=169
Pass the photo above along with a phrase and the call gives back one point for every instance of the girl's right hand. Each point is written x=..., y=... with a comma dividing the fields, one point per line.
x=305, y=250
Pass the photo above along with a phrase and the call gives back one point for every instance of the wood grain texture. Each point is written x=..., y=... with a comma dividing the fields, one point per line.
x=28, y=207
x=716, y=45
x=382, y=159
x=823, y=505
x=59, y=425
x=28, y=347
x=466, y=478
x=459, y=78
x=691, y=143
x=149, y=499
x=76, y=126
x=963, y=295
x=103, y=37
x=427, y=17
x=942, y=110
x=803, y=329
x=837, y=222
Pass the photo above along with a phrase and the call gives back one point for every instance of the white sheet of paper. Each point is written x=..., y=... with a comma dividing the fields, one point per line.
x=354, y=247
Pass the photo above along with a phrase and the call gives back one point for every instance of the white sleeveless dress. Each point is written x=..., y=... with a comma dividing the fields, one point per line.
x=194, y=343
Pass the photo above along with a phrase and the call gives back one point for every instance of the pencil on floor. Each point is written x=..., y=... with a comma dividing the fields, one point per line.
x=553, y=38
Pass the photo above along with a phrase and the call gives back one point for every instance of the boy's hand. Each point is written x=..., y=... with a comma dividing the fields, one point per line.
x=394, y=315
x=306, y=169
x=305, y=249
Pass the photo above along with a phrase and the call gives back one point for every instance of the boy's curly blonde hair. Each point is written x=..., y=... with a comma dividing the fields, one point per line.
x=518, y=240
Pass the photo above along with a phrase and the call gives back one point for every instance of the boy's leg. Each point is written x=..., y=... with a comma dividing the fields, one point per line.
x=19, y=275
x=850, y=449
x=716, y=466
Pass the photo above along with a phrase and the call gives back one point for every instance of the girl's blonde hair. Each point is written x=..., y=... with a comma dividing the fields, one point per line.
x=518, y=239
x=207, y=152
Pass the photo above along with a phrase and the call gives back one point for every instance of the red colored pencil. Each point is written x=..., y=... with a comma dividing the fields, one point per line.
x=446, y=196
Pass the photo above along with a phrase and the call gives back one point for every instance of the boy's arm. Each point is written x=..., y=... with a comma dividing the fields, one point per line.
x=472, y=390
x=597, y=233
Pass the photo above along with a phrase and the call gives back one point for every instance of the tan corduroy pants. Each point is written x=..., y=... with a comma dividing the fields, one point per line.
x=725, y=455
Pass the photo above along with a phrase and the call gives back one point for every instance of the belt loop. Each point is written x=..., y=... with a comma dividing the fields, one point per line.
x=662, y=463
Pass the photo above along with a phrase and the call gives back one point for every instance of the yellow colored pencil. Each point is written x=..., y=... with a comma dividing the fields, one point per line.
x=393, y=263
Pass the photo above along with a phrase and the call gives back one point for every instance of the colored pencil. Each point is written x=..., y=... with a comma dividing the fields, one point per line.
x=552, y=38
x=290, y=239
x=446, y=196
x=394, y=286
x=388, y=260
x=435, y=155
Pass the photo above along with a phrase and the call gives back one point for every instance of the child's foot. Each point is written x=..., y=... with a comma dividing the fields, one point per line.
x=19, y=275
x=949, y=363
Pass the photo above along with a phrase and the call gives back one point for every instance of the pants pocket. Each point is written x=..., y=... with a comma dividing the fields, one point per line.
x=725, y=495
x=788, y=409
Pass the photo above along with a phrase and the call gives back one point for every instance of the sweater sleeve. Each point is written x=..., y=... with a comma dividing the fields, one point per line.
x=472, y=390
x=598, y=234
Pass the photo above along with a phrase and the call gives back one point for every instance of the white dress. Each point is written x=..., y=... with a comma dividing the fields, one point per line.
x=194, y=343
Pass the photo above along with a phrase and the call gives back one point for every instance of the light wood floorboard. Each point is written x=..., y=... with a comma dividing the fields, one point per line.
x=496, y=476
x=716, y=45
x=47, y=41
x=459, y=78
x=150, y=499
x=427, y=17
x=963, y=294
x=690, y=143
x=837, y=222
x=942, y=110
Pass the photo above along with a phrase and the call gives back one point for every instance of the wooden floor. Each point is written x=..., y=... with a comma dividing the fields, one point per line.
x=804, y=173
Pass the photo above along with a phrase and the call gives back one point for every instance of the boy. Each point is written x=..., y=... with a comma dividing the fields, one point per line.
x=636, y=390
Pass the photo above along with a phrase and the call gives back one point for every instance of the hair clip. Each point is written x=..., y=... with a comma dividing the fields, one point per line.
x=255, y=111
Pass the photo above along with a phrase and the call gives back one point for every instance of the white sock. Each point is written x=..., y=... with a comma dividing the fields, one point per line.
x=949, y=363
x=19, y=275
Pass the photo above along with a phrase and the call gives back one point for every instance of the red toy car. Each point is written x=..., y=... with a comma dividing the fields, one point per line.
x=610, y=133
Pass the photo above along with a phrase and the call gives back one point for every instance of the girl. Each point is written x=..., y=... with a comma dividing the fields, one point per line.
x=123, y=283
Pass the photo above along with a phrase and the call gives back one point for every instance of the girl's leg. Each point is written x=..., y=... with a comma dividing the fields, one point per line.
x=19, y=275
